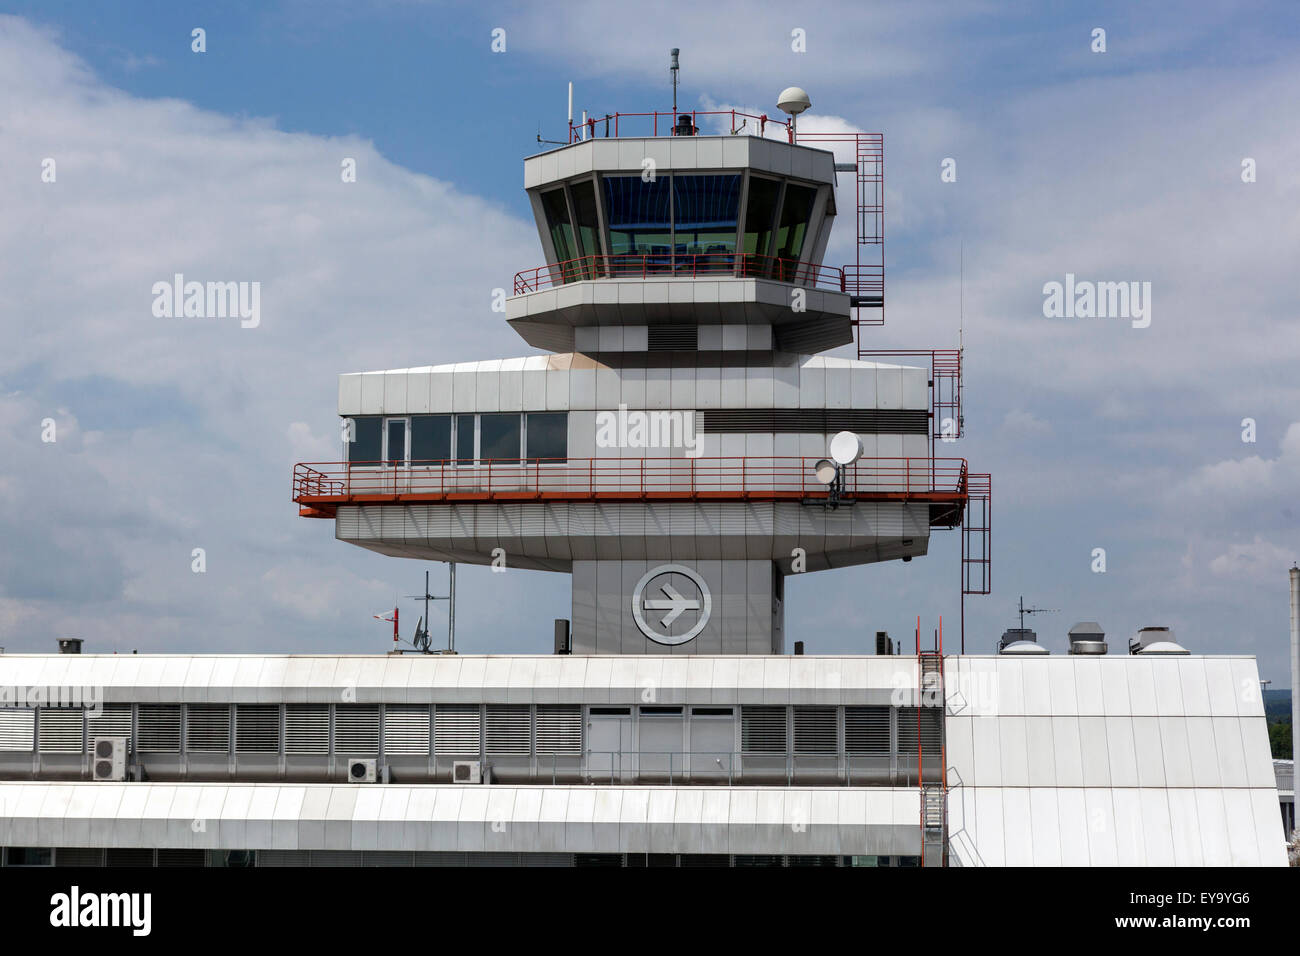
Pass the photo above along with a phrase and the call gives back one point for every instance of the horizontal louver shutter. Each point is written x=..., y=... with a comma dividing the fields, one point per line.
x=356, y=729
x=456, y=730
x=509, y=728
x=257, y=728
x=931, y=731
x=207, y=729
x=306, y=729
x=869, y=421
x=61, y=730
x=815, y=731
x=866, y=730
x=17, y=730
x=406, y=729
x=111, y=720
x=762, y=730
x=160, y=728
x=559, y=729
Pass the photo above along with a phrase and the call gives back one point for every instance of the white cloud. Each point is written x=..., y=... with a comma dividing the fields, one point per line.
x=1257, y=559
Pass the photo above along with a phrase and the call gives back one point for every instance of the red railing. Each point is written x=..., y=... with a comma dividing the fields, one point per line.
x=668, y=264
x=642, y=124
x=320, y=487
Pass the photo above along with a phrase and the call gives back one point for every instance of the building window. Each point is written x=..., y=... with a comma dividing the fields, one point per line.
x=466, y=452
x=395, y=441
x=760, y=215
x=499, y=438
x=546, y=435
x=705, y=210
x=796, y=210
x=587, y=224
x=640, y=221
x=430, y=438
x=557, y=223
x=366, y=446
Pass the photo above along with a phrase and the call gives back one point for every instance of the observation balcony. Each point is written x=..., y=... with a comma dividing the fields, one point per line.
x=319, y=488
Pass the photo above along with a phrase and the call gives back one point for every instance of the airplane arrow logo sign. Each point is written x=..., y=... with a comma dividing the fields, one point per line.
x=673, y=603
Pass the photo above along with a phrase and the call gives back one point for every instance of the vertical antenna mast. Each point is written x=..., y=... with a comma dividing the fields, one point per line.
x=673, y=68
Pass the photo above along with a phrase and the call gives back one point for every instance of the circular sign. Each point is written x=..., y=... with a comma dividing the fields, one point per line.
x=658, y=603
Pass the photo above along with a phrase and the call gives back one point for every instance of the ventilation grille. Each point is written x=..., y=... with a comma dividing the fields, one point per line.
x=672, y=338
x=356, y=729
x=114, y=720
x=406, y=729
x=509, y=728
x=931, y=730
x=866, y=730
x=257, y=728
x=78, y=856
x=815, y=730
x=160, y=729
x=559, y=729
x=17, y=730
x=61, y=730
x=762, y=730
x=207, y=729
x=456, y=730
x=306, y=729
x=868, y=421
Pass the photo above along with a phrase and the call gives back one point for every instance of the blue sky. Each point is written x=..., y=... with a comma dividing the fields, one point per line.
x=1119, y=166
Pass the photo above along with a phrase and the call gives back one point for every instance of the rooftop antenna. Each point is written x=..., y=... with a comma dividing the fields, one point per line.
x=1033, y=610
x=793, y=100
x=673, y=68
x=421, y=639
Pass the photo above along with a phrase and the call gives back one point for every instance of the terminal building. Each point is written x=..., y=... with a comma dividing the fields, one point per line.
x=681, y=446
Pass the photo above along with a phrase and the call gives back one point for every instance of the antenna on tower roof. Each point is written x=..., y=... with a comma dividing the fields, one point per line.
x=673, y=68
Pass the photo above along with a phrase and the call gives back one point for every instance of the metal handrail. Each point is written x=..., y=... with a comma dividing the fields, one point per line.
x=713, y=478
x=615, y=122
x=694, y=265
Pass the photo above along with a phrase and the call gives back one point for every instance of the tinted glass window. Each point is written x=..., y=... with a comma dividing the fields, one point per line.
x=557, y=222
x=796, y=210
x=430, y=437
x=547, y=435
x=367, y=434
x=705, y=209
x=499, y=437
x=397, y=441
x=639, y=220
x=464, y=438
x=760, y=215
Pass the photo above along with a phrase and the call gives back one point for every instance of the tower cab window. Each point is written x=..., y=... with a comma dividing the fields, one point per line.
x=435, y=440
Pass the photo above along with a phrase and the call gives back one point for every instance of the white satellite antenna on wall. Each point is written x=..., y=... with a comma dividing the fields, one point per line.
x=793, y=100
x=845, y=449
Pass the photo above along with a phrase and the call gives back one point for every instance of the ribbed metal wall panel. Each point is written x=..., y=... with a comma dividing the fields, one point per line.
x=866, y=730
x=160, y=729
x=763, y=730
x=257, y=728
x=207, y=728
x=815, y=730
x=559, y=729
x=509, y=728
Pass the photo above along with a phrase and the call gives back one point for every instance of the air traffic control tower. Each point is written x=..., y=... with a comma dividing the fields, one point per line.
x=665, y=448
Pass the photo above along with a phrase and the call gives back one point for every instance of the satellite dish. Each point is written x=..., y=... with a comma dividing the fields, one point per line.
x=825, y=471
x=793, y=100
x=846, y=448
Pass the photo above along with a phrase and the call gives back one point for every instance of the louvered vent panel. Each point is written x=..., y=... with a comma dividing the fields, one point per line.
x=61, y=730
x=406, y=729
x=509, y=728
x=257, y=728
x=79, y=856
x=866, y=421
x=456, y=730
x=762, y=730
x=931, y=731
x=306, y=729
x=866, y=730
x=815, y=730
x=114, y=720
x=160, y=728
x=207, y=729
x=559, y=729
x=668, y=338
x=356, y=729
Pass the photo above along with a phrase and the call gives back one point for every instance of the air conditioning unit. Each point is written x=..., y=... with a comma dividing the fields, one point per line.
x=466, y=771
x=362, y=770
x=108, y=758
